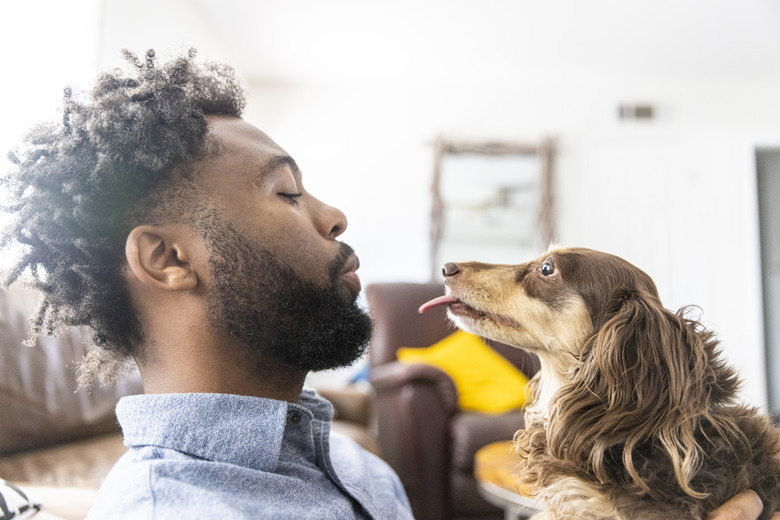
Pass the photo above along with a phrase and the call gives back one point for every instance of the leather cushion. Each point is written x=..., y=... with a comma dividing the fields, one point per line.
x=38, y=402
x=471, y=431
x=82, y=463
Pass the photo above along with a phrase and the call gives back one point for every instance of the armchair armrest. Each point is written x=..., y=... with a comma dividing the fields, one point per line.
x=391, y=377
x=352, y=403
x=414, y=404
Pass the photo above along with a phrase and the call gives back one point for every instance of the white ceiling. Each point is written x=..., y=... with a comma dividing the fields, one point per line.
x=506, y=40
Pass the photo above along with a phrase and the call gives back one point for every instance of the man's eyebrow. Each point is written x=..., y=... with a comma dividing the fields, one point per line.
x=278, y=161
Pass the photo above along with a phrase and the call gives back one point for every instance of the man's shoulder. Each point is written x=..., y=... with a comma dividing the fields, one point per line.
x=125, y=493
x=153, y=482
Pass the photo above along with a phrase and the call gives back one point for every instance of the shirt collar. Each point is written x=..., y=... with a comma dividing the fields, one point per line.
x=216, y=426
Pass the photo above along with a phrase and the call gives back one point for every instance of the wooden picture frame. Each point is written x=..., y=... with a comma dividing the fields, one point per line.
x=492, y=201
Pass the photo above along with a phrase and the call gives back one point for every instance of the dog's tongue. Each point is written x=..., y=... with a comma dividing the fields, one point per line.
x=436, y=302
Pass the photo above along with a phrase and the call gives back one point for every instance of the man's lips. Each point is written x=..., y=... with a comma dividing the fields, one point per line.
x=349, y=275
x=457, y=307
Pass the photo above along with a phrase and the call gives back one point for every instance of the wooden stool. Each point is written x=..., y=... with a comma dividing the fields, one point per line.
x=494, y=470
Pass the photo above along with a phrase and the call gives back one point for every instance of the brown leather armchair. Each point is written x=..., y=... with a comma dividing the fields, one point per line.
x=421, y=431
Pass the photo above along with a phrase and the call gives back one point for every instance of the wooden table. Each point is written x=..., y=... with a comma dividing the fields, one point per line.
x=494, y=468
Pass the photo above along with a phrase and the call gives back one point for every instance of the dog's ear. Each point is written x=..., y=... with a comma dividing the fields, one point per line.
x=646, y=379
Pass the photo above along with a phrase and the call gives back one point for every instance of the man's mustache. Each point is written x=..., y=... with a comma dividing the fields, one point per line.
x=337, y=266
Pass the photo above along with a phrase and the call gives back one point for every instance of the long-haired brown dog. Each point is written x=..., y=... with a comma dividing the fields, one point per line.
x=634, y=411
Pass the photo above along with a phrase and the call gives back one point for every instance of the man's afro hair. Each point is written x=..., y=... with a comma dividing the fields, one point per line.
x=80, y=185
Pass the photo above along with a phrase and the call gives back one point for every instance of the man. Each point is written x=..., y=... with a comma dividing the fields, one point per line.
x=184, y=238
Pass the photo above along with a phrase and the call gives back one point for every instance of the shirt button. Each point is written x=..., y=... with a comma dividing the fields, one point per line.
x=294, y=417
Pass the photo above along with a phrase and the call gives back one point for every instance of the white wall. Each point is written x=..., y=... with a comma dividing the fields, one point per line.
x=167, y=26
x=675, y=196
x=40, y=54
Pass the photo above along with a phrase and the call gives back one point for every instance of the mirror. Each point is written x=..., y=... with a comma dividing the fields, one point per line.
x=492, y=202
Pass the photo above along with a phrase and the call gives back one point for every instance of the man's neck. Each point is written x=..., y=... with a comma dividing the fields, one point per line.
x=204, y=370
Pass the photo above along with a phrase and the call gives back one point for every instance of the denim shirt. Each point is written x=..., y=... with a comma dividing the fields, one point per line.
x=237, y=457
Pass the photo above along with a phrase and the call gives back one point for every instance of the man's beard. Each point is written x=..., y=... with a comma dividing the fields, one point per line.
x=274, y=312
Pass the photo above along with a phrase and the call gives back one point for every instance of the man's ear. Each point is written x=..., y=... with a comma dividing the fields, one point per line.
x=157, y=257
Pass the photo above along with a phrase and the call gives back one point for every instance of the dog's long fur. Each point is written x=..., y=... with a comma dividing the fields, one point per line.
x=634, y=413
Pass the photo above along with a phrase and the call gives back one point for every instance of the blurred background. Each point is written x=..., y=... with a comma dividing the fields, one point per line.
x=359, y=91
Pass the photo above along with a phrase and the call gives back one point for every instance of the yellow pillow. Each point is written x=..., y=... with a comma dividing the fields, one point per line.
x=485, y=380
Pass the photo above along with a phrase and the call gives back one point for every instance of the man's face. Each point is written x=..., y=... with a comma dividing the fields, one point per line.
x=280, y=281
x=255, y=186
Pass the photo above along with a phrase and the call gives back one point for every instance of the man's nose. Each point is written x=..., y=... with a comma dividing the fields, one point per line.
x=330, y=221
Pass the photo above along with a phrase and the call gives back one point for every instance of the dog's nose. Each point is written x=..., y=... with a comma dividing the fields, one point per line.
x=450, y=269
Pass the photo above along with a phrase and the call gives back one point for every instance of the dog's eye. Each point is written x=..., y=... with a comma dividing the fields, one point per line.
x=548, y=269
